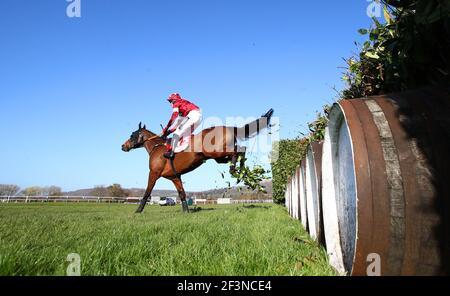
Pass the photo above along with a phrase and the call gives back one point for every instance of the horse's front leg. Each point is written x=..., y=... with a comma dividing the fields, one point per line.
x=152, y=177
x=179, y=185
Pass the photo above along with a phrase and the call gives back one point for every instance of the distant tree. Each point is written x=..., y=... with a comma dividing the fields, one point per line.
x=9, y=189
x=100, y=191
x=33, y=191
x=52, y=191
x=116, y=190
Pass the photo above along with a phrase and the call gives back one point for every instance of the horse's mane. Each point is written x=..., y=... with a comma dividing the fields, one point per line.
x=149, y=132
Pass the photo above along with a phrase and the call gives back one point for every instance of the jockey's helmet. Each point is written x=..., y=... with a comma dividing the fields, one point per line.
x=174, y=97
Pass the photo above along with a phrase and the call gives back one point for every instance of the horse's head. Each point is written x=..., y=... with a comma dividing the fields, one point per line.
x=136, y=140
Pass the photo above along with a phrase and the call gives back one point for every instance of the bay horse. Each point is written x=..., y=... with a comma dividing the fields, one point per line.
x=219, y=143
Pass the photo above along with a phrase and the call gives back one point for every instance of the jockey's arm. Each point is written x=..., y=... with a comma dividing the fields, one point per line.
x=175, y=115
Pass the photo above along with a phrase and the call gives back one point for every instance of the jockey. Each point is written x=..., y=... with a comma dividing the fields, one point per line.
x=186, y=116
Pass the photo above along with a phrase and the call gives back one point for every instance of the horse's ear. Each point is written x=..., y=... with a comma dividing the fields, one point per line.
x=145, y=127
x=140, y=125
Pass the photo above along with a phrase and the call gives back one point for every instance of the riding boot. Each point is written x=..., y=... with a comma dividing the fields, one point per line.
x=170, y=154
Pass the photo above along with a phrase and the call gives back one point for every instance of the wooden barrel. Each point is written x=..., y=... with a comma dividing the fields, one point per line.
x=295, y=194
x=298, y=176
x=288, y=196
x=302, y=195
x=291, y=195
x=329, y=205
x=386, y=188
x=313, y=178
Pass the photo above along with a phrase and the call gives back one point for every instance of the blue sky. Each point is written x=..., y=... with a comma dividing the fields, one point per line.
x=73, y=89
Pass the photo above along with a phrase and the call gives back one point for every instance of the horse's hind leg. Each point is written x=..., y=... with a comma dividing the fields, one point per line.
x=179, y=185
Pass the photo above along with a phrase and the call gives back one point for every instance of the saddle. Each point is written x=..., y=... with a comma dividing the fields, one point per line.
x=182, y=145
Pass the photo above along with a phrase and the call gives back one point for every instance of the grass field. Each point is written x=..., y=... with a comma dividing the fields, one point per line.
x=35, y=239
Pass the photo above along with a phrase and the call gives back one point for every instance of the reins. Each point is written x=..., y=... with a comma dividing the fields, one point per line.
x=152, y=138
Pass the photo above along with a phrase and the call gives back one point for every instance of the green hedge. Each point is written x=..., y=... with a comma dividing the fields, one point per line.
x=290, y=152
x=411, y=49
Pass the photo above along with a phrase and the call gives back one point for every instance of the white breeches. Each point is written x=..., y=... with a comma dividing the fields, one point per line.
x=186, y=125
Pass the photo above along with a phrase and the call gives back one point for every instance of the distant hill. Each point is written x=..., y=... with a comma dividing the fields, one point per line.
x=237, y=192
x=233, y=192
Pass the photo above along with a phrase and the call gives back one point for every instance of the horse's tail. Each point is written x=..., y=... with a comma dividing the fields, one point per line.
x=253, y=128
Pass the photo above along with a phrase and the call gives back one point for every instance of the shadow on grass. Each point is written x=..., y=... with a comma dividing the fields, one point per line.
x=200, y=209
x=256, y=207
